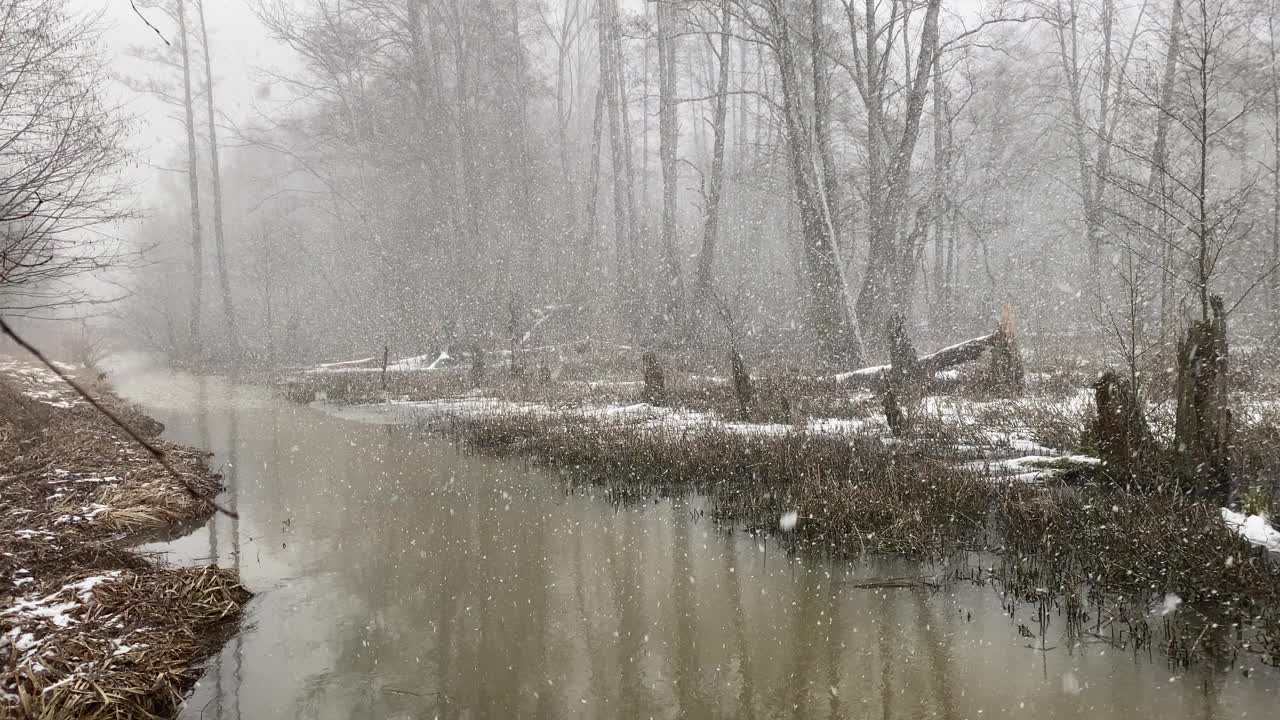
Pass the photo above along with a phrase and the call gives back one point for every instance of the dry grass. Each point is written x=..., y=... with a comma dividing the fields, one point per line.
x=1126, y=549
x=131, y=650
x=73, y=489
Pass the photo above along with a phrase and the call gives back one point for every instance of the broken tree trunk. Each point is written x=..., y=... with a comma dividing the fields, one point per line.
x=1005, y=374
x=1001, y=345
x=1124, y=439
x=1202, y=427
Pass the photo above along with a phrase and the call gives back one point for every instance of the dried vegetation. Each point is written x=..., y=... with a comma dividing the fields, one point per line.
x=88, y=629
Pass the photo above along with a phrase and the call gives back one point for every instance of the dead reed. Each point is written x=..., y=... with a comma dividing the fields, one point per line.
x=92, y=630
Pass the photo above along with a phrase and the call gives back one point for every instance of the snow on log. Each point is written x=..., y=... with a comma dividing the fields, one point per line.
x=950, y=356
x=958, y=354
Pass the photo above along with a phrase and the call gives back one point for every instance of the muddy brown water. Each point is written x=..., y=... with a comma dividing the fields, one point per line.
x=397, y=577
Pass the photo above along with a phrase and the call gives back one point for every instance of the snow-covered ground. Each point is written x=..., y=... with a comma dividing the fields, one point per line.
x=33, y=619
x=39, y=383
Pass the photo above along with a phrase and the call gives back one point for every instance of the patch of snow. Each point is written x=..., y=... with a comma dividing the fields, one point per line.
x=124, y=649
x=787, y=522
x=874, y=371
x=57, y=608
x=346, y=363
x=44, y=609
x=1254, y=528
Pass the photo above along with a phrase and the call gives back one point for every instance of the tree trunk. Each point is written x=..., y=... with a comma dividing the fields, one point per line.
x=1273, y=297
x=829, y=312
x=904, y=383
x=1158, y=180
x=942, y=150
x=1005, y=374
x=654, y=378
x=625, y=230
x=593, y=183
x=711, y=226
x=891, y=259
x=827, y=178
x=219, y=243
x=609, y=83
x=742, y=389
x=1202, y=426
x=193, y=183
x=669, y=139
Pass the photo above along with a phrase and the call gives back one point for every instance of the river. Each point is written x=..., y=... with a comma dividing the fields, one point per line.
x=398, y=577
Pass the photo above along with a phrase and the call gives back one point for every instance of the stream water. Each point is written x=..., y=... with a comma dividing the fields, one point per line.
x=397, y=577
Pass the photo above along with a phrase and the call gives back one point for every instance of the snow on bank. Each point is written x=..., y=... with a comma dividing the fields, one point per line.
x=1037, y=463
x=1254, y=528
x=32, y=619
x=371, y=365
x=40, y=384
x=640, y=416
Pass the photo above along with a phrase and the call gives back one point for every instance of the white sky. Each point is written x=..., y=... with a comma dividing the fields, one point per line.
x=240, y=49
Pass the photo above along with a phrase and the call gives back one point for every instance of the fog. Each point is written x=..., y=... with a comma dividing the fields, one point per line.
x=674, y=175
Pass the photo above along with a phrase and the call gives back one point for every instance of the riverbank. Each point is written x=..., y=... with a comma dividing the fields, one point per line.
x=820, y=467
x=88, y=628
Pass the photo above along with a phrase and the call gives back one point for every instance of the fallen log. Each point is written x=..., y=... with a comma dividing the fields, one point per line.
x=948, y=357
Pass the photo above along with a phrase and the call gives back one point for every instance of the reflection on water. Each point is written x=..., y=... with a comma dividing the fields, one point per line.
x=398, y=578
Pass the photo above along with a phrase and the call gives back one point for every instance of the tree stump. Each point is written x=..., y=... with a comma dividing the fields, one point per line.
x=898, y=420
x=1202, y=427
x=654, y=379
x=1005, y=374
x=742, y=388
x=904, y=383
x=1124, y=439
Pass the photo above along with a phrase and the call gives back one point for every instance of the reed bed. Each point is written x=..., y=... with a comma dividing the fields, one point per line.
x=131, y=649
x=89, y=629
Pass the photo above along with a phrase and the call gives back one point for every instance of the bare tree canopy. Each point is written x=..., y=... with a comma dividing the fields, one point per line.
x=61, y=147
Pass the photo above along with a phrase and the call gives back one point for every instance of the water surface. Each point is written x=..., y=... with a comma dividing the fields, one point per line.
x=399, y=578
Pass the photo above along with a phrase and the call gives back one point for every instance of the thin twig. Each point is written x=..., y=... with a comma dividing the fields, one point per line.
x=148, y=23
x=156, y=452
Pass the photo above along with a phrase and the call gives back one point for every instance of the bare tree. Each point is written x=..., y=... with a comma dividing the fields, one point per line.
x=669, y=140
x=711, y=222
x=219, y=243
x=61, y=148
x=892, y=254
x=193, y=180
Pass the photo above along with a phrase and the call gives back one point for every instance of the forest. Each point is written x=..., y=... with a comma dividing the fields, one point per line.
x=430, y=174
x=400, y=358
